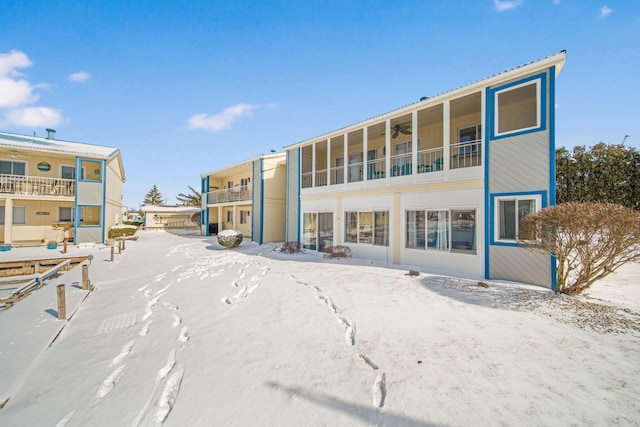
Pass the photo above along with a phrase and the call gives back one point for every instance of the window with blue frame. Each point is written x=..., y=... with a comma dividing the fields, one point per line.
x=519, y=107
x=90, y=216
x=92, y=170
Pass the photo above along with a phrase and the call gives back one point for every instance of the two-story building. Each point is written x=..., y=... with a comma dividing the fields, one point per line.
x=442, y=183
x=48, y=184
x=248, y=196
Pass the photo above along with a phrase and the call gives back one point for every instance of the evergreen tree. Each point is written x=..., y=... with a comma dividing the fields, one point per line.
x=192, y=199
x=153, y=197
x=601, y=174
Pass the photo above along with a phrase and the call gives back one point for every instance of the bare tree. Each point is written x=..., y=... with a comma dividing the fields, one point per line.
x=588, y=240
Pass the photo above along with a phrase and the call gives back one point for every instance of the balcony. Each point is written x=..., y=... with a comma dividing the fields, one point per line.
x=466, y=154
x=229, y=195
x=36, y=186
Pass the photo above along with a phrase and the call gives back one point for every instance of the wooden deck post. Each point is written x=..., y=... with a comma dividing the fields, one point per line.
x=62, y=303
x=65, y=247
x=113, y=251
x=123, y=244
x=85, y=278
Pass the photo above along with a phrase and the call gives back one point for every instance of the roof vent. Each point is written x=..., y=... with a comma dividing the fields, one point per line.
x=50, y=133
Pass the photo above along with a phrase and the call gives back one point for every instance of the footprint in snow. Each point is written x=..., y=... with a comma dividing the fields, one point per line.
x=169, y=395
x=185, y=334
x=170, y=306
x=164, y=371
x=379, y=390
x=148, y=312
x=176, y=320
x=368, y=361
x=110, y=382
x=123, y=353
x=351, y=334
x=145, y=329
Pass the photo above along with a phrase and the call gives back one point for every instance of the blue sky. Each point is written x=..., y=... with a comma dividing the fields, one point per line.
x=186, y=87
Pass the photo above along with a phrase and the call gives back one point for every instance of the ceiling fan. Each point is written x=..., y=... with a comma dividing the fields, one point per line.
x=398, y=129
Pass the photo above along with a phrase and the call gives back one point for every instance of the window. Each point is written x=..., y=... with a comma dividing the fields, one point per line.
x=367, y=227
x=229, y=184
x=446, y=230
x=355, y=167
x=92, y=170
x=65, y=214
x=510, y=213
x=229, y=216
x=415, y=230
x=309, y=236
x=244, y=182
x=19, y=215
x=351, y=227
x=468, y=137
x=325, y=230
x=463, y=230
x=243, y=217
x=90, y=216
x=68, y=172
x=519, y=107
x=438, y=230
x=12, y=168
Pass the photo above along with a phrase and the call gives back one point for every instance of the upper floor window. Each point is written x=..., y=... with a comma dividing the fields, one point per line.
x=91, y=170
x=519, y=107
x=244, y=182
x=12, y=168
x=68, y=172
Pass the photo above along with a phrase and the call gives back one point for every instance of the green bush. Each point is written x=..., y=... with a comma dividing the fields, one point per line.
x=114, y=233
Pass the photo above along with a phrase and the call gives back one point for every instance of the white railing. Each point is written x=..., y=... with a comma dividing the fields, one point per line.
x=430, y=160
x=400, y=164
x=37, y=186
x=337, y=175
x=229, y=195
x=376, y=168
x=321, y=178
x=466, y=154
x=307, y=179
x=355, y=171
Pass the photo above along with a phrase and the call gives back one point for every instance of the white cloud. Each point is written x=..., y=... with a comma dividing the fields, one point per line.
x=14, y=91
x=222, y=120
x=605, y=11
x=34, y=117
x=502, y=5
x=80, y=76
x=10, y=62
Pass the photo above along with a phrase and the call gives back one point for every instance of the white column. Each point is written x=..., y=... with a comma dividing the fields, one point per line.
x=446, y=134
x=387, y=147
x=414, y=143
x=345, y=167
x=313, y=167
x=328, y=162
x=365, y=155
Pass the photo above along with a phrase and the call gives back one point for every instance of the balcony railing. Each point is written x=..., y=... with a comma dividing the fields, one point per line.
x=337, y=175
x=36, y=186
x=321, y=178
x=466, y=154
x=307, y=179
x=401, y=164
x=229, y=195
x=376, y=168
x=430, y=160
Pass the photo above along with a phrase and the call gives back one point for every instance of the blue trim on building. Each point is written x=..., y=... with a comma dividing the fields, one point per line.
x=552, y=162
x=492, y=213
x=76, y=208
x=543, y=105
x=487, y=220
x=261, y=200
x=286, y=196
x=298, y=172
x=104, y=197
x=204, y=214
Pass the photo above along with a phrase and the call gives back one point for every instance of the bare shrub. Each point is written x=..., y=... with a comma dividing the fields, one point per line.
x=588, y=240
x=291, y=247
x=336, y=252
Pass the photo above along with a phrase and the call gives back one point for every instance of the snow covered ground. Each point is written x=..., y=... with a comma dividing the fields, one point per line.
x=179, y=331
